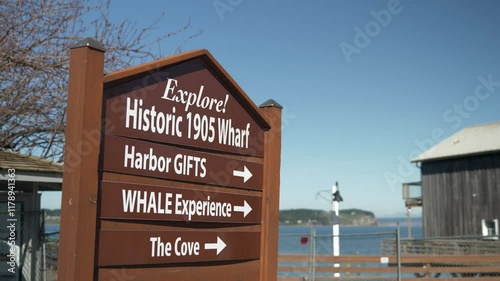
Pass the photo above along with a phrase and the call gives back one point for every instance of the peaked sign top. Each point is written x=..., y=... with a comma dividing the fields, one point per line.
x=187, y=100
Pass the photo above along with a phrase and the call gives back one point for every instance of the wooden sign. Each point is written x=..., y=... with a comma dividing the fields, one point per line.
x=130, y=156
x=121, y=248
x=176, y=174
x=184, y=104
x=147, y=202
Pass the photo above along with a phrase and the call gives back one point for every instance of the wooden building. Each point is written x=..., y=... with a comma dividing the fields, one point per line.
x=461, y=184
x=27, y=177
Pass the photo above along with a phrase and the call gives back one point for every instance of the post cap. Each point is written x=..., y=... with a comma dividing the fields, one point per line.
x=271, y=103
x=88, y=42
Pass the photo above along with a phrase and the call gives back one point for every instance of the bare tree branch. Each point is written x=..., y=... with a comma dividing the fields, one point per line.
x=34, y=61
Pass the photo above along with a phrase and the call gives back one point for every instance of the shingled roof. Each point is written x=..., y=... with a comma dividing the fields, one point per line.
x=31, y=173
x=21, y=162
x=474, y=140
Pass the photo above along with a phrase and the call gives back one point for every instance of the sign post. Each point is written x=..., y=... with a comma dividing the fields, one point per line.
x=81, y=157
x=336, y=198
x=270, y=226
x=182, y=179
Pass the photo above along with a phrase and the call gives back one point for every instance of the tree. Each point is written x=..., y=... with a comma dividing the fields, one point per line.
x=35, y=39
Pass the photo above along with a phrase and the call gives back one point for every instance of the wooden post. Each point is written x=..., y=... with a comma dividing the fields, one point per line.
x=81, y=154
x=271, y=192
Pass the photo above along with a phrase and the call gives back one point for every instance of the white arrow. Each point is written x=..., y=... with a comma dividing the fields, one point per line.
x=219, y=246
x=245, y=209
x=245, y=174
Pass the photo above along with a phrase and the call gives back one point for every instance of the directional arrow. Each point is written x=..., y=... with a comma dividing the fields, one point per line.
x=245, y=209
x=219, y=246
x=245, y=174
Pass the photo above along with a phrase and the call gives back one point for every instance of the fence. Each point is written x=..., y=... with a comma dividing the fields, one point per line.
x=35, y=252
x=308, y=256
x=382, y=256
x=51, y=247
x=360, y=256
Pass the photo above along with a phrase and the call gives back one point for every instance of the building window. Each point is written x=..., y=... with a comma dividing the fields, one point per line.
x=490, y=229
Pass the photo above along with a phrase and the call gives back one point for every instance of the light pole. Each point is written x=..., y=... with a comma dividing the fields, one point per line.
x=336, y=198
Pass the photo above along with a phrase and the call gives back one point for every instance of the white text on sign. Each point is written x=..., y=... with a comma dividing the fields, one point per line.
x=172, y=93
x=199, y=126
x=186, y=165
x=145, y=202
x=182, y=248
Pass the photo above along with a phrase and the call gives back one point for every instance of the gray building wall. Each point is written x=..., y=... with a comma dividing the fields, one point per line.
x=458, y=193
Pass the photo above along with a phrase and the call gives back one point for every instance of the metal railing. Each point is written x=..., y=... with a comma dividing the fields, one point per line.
x=384, y=256
x=309, y=256
x=314, y=259
x=444, y=246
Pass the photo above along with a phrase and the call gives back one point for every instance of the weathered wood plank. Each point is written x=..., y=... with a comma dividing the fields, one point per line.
x=366, y=269
x=424, y=259
x=459, y=193
x=483, y=278
x=417, y=264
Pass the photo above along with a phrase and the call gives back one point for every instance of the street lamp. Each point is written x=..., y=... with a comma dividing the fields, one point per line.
x=335, y=199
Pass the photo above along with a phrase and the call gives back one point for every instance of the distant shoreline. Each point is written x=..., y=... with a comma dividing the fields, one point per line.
x=342, y=225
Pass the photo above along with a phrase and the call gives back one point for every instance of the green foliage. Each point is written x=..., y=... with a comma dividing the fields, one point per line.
x=356, y=212
x=298, y=216
x=53, y=213
x=321, y=217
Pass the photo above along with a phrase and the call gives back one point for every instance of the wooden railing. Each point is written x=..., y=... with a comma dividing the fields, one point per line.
x=438, y=267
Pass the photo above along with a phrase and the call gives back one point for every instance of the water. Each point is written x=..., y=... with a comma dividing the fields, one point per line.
x=354, y=240
x=52, y=229
x=350, y=242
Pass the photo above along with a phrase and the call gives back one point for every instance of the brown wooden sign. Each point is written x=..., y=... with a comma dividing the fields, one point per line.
x=132, y=247
x=174, y=175
x=183, y=104
x=129, y=156
x=148, y=202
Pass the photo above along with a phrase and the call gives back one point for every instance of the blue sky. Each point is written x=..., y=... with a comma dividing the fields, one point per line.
x=356, y=115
